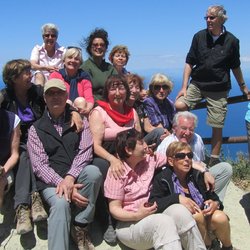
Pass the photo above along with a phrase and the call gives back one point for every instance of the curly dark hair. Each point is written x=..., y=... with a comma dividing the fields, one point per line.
x=96, y=33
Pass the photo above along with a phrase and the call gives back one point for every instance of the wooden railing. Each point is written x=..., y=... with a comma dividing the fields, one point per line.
x=230, y=139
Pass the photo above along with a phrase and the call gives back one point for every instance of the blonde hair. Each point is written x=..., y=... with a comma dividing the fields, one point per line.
x=176, y=147
x=160, y=79
x=73, y=52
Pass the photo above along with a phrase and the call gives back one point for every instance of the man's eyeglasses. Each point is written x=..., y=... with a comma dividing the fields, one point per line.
x=209, y=17
x=159, y=87
x=182, y=156
x=50, y=35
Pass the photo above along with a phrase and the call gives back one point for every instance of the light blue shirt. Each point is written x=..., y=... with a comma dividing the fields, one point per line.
x=247, y=117
x=196, y=144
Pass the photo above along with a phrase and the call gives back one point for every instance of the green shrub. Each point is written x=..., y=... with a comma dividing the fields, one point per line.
x=241, y=170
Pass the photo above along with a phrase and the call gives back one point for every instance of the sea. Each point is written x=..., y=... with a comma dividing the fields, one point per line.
x=234, y=124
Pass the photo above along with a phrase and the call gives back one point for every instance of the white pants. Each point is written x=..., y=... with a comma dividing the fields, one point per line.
x=173, y=229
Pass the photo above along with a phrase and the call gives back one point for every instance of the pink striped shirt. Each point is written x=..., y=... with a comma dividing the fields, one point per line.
x=134, y=187
x=40, y=160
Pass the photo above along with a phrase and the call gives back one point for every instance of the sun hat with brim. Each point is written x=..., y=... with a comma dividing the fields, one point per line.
x=54, y=83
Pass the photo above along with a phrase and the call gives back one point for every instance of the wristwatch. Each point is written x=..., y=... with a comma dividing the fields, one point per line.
x=242, y=84
x=206, y=170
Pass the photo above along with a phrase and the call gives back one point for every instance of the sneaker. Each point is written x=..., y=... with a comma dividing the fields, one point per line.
x=38, y=212
x=23, y=225
x=81, y=238
x=110, y=235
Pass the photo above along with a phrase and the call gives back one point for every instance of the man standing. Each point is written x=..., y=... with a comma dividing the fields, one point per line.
x=184, y=124
x=60, y=158
x=214, y=51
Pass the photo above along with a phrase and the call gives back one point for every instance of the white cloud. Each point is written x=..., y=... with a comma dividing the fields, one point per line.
x=245, y=59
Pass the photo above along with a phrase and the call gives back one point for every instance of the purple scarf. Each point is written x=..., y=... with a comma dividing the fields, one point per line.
x=194, y=192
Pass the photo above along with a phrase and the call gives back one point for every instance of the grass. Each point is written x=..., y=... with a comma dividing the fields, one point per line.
x=241, y=171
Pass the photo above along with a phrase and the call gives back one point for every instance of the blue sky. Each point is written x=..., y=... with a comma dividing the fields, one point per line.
x=158, y=33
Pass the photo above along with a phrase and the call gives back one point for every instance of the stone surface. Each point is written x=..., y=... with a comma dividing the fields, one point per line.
x=237, y=206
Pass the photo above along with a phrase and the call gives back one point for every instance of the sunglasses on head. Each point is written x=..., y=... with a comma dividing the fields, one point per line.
x=159, y=87
x=182, y=156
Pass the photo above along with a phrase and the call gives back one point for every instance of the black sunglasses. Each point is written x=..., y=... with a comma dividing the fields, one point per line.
x=210, y=17
x=158, y=87
x=182, y=156
x=50, y=35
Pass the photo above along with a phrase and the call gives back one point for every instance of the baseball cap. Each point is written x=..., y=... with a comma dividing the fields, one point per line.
x=54, y=83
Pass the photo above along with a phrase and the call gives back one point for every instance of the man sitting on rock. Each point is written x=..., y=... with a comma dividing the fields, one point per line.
x=60, y=159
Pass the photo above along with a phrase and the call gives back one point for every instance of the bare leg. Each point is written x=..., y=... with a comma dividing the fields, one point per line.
x=180, y=106
x=219, y=223
x=216, y=141
x=202, y=225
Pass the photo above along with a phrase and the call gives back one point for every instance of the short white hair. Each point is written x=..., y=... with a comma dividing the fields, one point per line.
x=185, y=114
x=50, y=26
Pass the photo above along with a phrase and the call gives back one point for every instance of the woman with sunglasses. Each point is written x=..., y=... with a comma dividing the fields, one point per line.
x=47, y=57
x=159, y=108
x=76, y=80
x=138, y=225
x=96, y=45
x=179, y=183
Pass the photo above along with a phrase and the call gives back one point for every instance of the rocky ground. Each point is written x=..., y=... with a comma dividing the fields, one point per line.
x=237, y=206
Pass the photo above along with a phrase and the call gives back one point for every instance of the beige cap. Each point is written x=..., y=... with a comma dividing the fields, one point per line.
x=54, y=83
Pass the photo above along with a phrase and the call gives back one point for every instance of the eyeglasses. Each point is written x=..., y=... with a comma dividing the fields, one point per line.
x=182, y=156
x=50, y=35
x=159, y=87
x=209, y=17
x=95, y=45
x=120, y=87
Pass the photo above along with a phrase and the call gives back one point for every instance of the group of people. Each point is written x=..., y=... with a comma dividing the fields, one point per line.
x=84, y=138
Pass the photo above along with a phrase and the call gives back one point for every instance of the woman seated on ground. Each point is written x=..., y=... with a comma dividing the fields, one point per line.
x=77, y=81
x=152, y=135
x=9, y=149
x=159, y=107
x=119, y=56
x=138, y=226
x=181, y=184
x=110, y=117
x=49, y=56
